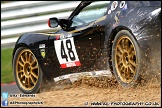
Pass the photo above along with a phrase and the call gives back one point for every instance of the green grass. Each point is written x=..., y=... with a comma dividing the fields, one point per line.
x=6, y=65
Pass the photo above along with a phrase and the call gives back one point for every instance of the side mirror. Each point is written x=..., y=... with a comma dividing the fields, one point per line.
x=53, y=22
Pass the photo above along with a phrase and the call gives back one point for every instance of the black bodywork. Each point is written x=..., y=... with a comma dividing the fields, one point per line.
x=93, y=42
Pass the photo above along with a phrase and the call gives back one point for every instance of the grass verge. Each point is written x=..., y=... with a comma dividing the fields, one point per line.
x=6, y=65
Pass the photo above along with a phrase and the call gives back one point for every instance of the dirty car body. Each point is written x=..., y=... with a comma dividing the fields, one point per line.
x=119, y=37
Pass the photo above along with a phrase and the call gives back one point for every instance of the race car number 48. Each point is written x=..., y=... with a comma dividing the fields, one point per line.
x=66, y=53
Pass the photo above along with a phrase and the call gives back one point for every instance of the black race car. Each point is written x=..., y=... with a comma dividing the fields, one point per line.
x=121, y=37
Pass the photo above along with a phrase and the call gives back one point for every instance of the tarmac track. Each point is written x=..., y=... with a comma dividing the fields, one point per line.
x=10, y=88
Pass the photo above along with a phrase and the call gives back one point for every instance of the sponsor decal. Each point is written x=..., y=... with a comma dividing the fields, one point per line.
x=42, y=50
x=109, y=12
x=116, y=18
x=43, y=53
x=65, y=35
x=114, y=5
x=125, y=7
x=74, y=76
x=61, y=77
x=42, y=46
x=122, y=4
x=93, y=73
x=57, y=37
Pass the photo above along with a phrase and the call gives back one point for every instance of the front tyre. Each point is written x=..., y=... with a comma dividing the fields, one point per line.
x=126, y=58
x=28, y=76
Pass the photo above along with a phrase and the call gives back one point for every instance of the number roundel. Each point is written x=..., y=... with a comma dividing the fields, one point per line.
x=66, y=53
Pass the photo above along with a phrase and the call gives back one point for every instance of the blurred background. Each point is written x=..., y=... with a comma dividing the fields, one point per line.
x=19, y=17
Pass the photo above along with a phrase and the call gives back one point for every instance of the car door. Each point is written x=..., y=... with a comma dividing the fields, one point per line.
x=77, y=50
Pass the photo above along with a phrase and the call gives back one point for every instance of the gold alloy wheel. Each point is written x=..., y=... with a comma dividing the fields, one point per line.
x=125, y=59
x=27, y=70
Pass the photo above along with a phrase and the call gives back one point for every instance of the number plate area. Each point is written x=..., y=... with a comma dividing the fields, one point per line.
x=66, y=53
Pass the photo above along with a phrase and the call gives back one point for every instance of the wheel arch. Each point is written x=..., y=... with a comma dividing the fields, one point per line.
x=110, y=43
x=16, y=47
